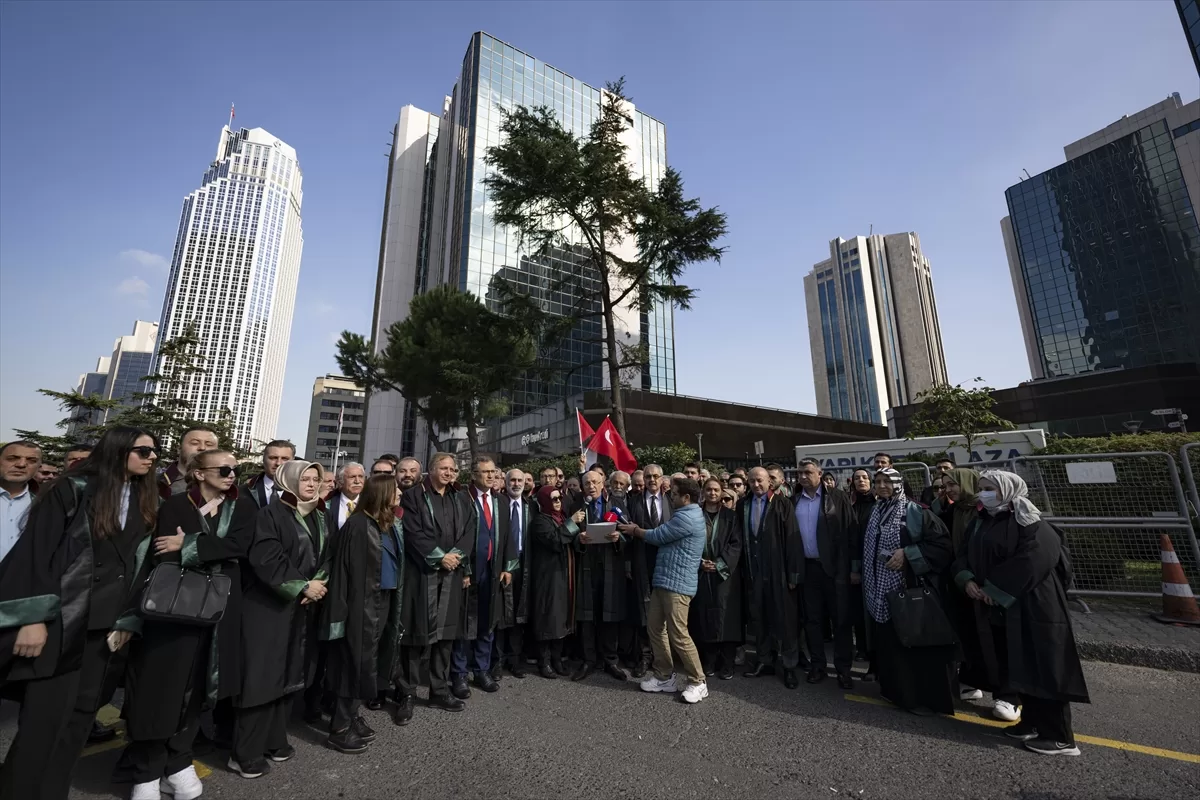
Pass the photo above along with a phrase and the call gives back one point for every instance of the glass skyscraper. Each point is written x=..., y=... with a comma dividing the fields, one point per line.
x=1104, y=250
x=233, y=274
x=438, y=229
x=1189, y=15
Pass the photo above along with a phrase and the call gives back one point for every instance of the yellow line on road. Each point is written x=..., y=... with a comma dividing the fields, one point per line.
x=1115, y=744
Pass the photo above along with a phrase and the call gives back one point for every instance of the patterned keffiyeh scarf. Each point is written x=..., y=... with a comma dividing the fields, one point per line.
x=883, y=536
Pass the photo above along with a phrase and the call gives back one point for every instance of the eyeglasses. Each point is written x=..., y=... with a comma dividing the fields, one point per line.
x=382, y=472
x=554, y=498
x=728, y=500
x=145, y=451
x=224, y=471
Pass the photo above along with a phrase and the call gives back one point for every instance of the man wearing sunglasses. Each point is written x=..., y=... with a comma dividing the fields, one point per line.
x=383, y=467
x=172, y=479
x=263, y=488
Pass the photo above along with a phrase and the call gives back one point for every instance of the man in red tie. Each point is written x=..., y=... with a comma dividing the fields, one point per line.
x=494, y=552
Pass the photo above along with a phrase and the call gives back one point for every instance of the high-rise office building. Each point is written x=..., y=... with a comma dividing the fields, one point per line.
x=90, y=383
x=233, y=276
x=437, y=226
x=132, y=360
x=872, y=326
x=1104, y=250
x=335, y=398
x=1189, y=15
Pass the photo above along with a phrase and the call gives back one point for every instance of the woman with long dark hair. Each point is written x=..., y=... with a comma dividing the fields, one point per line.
x=285, y=575
x=356, y=607
x=862, y=502
x=63, y=587
x=553, y=534
x=715, y=615
x=176, y=670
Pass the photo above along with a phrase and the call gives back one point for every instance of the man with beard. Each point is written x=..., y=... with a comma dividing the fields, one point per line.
x=510, y=634
x=618, y=484
x=601, y=591
x=173, y=478
x=408, y=473
x=351, y=478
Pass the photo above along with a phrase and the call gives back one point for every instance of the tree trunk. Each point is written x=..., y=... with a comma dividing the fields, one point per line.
x=612, y=360
x=472, y=432
x=433, y=439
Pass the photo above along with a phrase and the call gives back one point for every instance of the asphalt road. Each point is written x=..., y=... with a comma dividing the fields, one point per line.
x=751, y=739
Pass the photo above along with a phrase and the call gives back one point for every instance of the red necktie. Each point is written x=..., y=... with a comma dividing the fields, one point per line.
x=487, y=518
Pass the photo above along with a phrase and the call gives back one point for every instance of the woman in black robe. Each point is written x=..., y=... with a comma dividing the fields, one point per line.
x=959, y=508
x=905, y=546
x=284, y=575
x=63, y=589
x=553, y=536
x=355, y=609
x=176, y=670
x=715, y=614
x=862, y=503
x=1015, y=569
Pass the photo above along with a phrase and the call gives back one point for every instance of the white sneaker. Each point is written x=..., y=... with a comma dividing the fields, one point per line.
x=183, y=785
x=969, y=692
x=1006, y=711
x=695, y=692
x=653, y=684
x=145, y=791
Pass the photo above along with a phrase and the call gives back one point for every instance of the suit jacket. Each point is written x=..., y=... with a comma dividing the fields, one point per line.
x=504, y=558
x=835, y=533
x=333, y=506
x=256, y=489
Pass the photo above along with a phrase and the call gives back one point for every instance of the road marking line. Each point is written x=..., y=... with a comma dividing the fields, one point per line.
x=1191, y=758
x=202, y=769
x=102, y=747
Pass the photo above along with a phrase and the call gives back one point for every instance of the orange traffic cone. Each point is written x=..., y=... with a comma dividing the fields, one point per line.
x=1179, y=604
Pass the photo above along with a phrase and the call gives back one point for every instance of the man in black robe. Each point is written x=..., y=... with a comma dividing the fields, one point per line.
x=601, y=586
x=263, y=487
x=510, y=630
x=439, y=545
x=774, y=566
x=647, y=509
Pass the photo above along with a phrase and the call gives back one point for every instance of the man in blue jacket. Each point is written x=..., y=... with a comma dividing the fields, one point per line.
x=680, y=542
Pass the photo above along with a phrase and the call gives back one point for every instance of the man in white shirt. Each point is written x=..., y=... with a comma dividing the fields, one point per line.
x=263, y=488
x=351, y=478
x=19, y=461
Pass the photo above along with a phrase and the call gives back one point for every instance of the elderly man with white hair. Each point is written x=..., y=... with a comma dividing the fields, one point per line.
x=508, y=648
x=351, y=478
x=618, y=484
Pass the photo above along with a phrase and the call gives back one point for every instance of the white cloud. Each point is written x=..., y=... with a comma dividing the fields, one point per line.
x=134, y=287
x=324, y=309
x=144, y=258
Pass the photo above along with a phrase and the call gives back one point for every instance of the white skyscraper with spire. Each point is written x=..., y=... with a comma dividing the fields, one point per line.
x=233, y=275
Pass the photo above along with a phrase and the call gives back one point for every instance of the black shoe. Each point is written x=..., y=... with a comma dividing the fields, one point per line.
x=101, y=733
x=546, y=671
x=616, y=672
x=360, y=726
x=404, y=711
x=639, y=671
x=804, y=664
x=584, y=670
x=253, y=769
x=347, y=741
x=485, y=681
x=739, y=657
x=845, y=681
x=816, y=675
x=709, y=669
x=282, y=754
x=760, y=670
x=1022, y=731
x=1051, y=748
x=559, y=667
x=377, y=703
x=459, y=687
x=791, y=679
x=725, y=673
x=313, y=715
x=495, y=672
x=517, y=668
x=861, y=655
x=446, y=702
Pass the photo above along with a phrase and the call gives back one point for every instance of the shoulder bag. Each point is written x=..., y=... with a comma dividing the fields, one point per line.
x=917, y=616
x=184, y=596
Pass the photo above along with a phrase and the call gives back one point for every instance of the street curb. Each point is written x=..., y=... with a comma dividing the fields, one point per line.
x=1176, y=659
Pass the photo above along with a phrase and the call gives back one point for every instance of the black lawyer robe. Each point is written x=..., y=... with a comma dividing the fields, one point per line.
x=434, y=603
x=772, y=563
x=601, y=570
x=168, y=661
x=641, y=555
x=278, y=633
x=552, y=614
x=519, y=595
x=352, y=612
x=715, y=614
x=1026, y=570
x=504, y=555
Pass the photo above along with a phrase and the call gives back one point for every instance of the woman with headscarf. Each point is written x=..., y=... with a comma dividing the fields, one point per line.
x=905, y=546
x=1015, y=568
x=862, y=503
x=285, y=576
x=553, y=535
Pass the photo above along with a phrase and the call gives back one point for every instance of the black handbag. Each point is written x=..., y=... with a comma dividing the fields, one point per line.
x=918, y=619
x=185, y=596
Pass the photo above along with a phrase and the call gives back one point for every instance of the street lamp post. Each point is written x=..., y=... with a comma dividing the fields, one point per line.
x=700, y=445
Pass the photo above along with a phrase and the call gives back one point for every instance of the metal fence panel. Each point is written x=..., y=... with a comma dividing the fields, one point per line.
x=1191, y=473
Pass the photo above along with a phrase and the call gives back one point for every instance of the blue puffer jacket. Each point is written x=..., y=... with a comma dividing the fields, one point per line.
x=680, y=542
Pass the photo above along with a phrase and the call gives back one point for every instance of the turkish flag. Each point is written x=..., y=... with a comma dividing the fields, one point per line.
x=586, y=432
x=607, y=442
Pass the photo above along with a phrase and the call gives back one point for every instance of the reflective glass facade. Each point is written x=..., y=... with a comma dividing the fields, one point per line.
x=1109, y=250
x=1189, y=15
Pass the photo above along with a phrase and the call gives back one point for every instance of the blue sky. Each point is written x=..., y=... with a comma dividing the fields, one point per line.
x=803, y=121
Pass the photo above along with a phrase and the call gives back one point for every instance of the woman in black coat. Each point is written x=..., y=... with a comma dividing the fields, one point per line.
x=284, y=575
x=175, y=671
x=862, y=502
x=63, y=587
x=553, y=537
x=1015, y=568
x=715, y=614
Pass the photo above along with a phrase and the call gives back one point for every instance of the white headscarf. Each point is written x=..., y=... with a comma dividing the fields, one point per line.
x=288, y=476
x=1013, y=493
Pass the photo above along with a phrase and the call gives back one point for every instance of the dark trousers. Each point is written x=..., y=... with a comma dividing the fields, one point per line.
x=599, y=641
x=551, y=650
x=1052, y=718
x=478, y=650
x=260, y=729
x=635, y=643
x=712, y=652
x=150, y=759
x=345, y=710
x=56, y=717
x=385, y=668
x=509, y=645
x=825, y=600
x=435, y=657
x=316, y=690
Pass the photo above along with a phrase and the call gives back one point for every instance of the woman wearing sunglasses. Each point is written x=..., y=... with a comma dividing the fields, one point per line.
x=175, y=670
x=62, y=588
x=715, y=616
x=553, y=535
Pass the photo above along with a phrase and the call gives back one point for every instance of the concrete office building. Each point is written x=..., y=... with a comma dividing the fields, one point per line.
x=233, y=276
x=334, y=396
x=873, y=326
x=90, y=383
x=437, y=228
x=132, y=360
x=1104, y=250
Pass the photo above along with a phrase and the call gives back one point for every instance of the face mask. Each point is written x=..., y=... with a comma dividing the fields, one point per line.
x=989, y=499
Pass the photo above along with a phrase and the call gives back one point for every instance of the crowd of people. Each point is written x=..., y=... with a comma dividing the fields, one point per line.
x=350, y=590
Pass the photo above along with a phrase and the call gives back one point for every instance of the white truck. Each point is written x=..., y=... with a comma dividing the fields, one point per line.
x=999, y=446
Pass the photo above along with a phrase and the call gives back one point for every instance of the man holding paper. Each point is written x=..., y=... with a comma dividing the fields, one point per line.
x=600, y=579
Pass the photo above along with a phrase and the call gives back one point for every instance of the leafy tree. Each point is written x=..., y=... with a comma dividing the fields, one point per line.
x=576, y=199
x=671, y=457
x=451, y=357
x=957, y=411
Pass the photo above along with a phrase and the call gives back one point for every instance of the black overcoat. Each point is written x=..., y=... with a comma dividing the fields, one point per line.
x=715, y=614
x=552, y=611
x=434, y=604
x=602, y=571
x=772, y=568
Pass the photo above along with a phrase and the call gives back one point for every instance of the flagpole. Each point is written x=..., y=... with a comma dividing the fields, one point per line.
x=231, y=115
x=337, y=448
